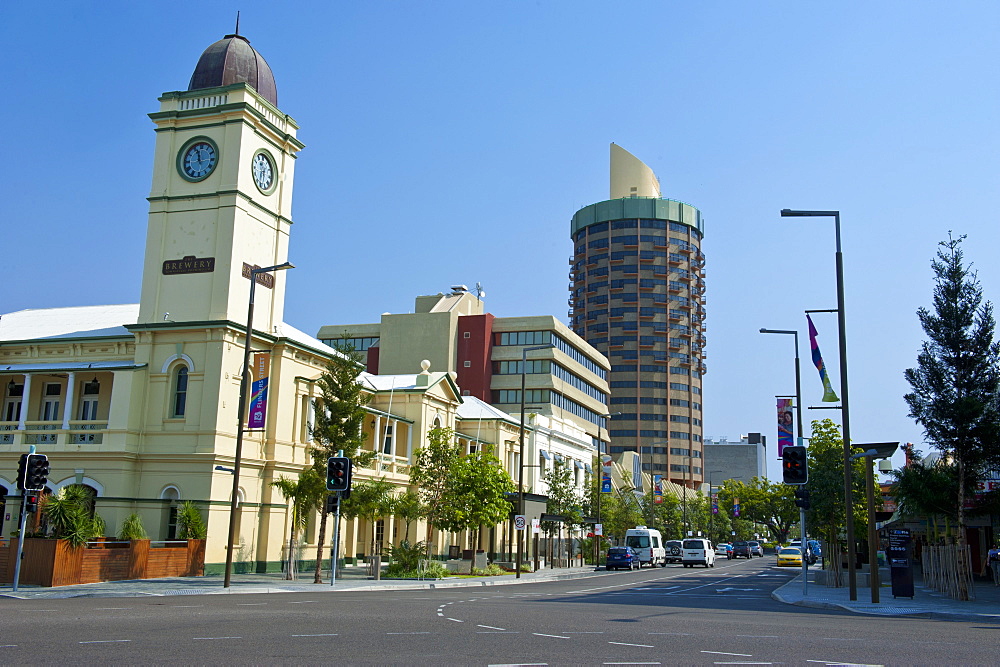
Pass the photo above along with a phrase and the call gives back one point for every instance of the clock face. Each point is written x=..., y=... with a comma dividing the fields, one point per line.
x=263, y=172
x=199, y=160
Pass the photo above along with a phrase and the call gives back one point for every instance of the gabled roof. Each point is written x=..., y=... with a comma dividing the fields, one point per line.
x=409, y=382
x=72, y=322
x=474, y=408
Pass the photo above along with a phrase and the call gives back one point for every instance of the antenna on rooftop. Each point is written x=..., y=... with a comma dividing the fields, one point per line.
x=480, y=292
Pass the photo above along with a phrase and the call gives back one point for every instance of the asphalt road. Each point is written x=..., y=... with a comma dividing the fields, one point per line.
x=721, y=616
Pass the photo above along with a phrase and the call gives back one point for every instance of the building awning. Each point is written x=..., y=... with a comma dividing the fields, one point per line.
x=578, y=464
x=545, y=455
x=586, y=466
x=72, y=366
x=559, y=457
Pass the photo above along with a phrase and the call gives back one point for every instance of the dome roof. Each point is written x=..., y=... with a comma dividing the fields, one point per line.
x=232, y=60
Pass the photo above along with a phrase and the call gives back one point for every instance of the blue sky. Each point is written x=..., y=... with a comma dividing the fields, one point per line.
x=451, y=142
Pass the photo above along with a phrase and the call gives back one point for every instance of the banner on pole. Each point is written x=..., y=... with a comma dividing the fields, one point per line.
x=829, y=395
x=786, y=424
x=657, y=489
x=736, y=507
x=258, y=392
x=605, y=474
x=715, y=503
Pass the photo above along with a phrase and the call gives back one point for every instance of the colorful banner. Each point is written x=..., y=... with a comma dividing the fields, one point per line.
x=715, y=503
x=605, y=474
x=786, y=424
x=657, y=489
x=829, y=395
x=258, y=390
x=736, y=507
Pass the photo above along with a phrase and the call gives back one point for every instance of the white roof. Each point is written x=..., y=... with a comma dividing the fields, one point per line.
x=96, y=321
x=389, y=382
x=73, y=322
x=474, y=408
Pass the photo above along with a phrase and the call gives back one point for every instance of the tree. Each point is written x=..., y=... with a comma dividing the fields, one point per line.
x=306, y=495
x=482, y=486
x=826, y=515
x=619, y=512
x=927, y=490
x=665, y=516
x=409, y=508
x=371, y=500
x=431, y=472
x=339, y=418
x=764, y=502
x=956, y=382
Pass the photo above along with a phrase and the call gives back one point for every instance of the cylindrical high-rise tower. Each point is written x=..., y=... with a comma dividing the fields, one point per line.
x=637, y=294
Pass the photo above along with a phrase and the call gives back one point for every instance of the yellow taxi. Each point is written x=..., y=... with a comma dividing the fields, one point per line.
x=790, y=557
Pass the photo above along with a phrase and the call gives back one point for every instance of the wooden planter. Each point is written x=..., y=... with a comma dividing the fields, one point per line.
x=55, y=563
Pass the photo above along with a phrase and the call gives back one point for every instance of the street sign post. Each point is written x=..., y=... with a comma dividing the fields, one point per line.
x=520, y=521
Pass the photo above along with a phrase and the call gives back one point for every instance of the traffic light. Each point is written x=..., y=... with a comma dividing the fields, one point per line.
x=30, y=503
x=802, y=497
x=22, y=467
x=332, y=501
x=793, y=465
x=338, y=473
x=36, y=472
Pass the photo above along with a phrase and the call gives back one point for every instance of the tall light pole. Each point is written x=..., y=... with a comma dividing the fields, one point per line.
x=520, y=462
x=711, y=514
x=798, y=376
x=842, y=326
x=241, y=413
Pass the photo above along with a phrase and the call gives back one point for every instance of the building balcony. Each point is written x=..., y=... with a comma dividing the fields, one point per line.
x=50, y=433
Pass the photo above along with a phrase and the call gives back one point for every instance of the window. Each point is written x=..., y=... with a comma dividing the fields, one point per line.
x=12, y=406
x=180, y=391
x=467, y=364
x=467, y=334
x=88, y=404
x=50, y=402
x=387, y=440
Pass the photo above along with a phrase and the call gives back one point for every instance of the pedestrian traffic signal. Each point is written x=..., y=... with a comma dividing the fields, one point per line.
x=332, y=502
x=30, y=503
x=793, y=465
x=338, y=473
x=802, y=497
x=36, y=472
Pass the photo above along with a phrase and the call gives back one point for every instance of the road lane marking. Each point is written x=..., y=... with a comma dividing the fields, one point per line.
x=186, y=606
x=456, y=620
x=631, y=663
x=110, y=608
x=407, y=633
x=329, y=634
x=639, y=645
x=497, y=632
x=759, y=636
x=489, y=627
x=106, y=641
x=739, y=655
x=672, y=634
x=584, y=632
x=250, y=604
x=736, y=662
x=217, y=638
x=301, y=601
x=840, y=663
x=539, y=634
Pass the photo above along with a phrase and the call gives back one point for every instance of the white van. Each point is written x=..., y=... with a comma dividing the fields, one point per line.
x=697, y=551
x=648, y=544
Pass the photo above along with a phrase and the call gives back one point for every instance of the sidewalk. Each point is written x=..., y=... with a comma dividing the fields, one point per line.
x=926, y=603
x=354, y=579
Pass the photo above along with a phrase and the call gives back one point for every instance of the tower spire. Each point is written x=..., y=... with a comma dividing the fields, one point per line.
x=237, y=22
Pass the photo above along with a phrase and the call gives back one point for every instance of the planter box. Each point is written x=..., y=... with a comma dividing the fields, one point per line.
x=55, y=563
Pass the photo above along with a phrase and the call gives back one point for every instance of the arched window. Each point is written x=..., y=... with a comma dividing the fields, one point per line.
x=180, y=391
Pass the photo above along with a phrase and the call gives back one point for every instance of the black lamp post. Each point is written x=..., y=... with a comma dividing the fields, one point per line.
x=241, y=412
x=520, y=463
x=842, y=326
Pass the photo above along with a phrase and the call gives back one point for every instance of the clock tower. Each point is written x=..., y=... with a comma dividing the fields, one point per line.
x=221, y=196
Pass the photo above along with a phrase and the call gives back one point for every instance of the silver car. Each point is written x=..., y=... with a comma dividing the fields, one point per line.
x=756, y=548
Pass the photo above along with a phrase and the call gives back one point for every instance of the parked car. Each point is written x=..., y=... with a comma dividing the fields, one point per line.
x=697, y=551
x=741, y=549
x=756, y=548
x=673, y=548
x=790, y=557
x=621, y=557
x=724, y=549
x=815, y=551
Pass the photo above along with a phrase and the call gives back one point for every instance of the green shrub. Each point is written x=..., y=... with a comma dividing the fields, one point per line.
x=406, y=556
x=132, y=528
x=71, y=515
x=491, y=570
x=190, y=525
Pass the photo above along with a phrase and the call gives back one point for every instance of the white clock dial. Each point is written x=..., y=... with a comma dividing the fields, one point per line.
x=263, y=172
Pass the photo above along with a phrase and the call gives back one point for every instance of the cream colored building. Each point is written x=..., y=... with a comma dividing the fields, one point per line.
x=140, y=401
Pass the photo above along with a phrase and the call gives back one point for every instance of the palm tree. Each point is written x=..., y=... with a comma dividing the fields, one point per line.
x=306, y=495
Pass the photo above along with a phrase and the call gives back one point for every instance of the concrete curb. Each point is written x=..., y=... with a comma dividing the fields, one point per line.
x=324, y=588
x=778, y=596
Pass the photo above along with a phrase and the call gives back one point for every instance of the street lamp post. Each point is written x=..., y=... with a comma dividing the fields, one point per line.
x=877, y=450
x=711, y=514
x=798, y=377
x=241, y=413
x=842, y=326
x=520, y=463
